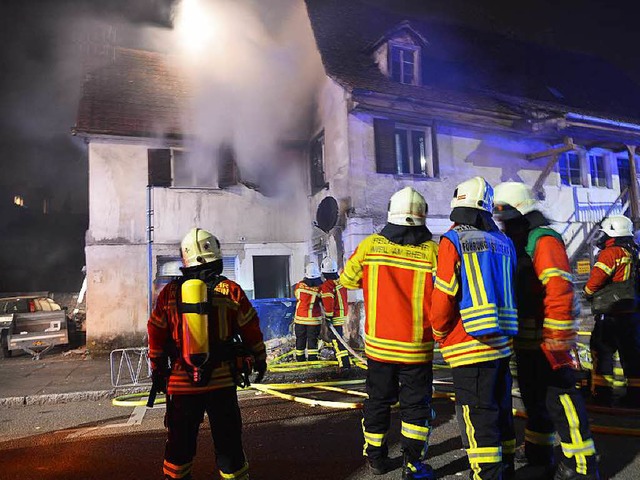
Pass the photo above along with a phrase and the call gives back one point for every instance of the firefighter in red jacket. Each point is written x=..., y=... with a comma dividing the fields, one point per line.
x=200, y=327
x=615, y=332
x=546, y=337
x=395, y=268
x=336, y=308
x=308, y=316
x=474, y=316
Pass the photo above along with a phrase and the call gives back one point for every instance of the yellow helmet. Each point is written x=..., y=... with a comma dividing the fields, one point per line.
x=407, y=207
x=199, y=247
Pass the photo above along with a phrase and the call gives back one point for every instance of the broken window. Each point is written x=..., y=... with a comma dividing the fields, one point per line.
x=569, y=167
x=173, y=167
x=318, y=181
x=405, y=149
x=597, y=170
x=403, y=63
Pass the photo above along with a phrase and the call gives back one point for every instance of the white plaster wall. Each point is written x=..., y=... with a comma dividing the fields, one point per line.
x=117, y=192
x=116, y=295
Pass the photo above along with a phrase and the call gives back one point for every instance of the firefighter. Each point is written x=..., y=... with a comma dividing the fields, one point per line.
x=546, y=338
x=202, y=325
x=395, y=268
x=336, y=308
x=308, y=316
x=474, y=317
x=615, y=332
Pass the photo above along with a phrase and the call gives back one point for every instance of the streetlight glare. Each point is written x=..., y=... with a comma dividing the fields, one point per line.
x=194, y=25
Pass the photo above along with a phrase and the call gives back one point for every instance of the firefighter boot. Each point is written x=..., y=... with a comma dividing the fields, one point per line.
x=567, y=473
x=416, y=470
x=379, y=466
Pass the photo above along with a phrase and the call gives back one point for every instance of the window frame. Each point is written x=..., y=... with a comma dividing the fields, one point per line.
x=317, y=174
x=430, y=170
x=415, y=53
x=595, y=181
x=568, y=170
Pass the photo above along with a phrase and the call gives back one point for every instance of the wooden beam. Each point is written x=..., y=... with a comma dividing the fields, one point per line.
x=634, y=196
x=537, y=187
x=567, y=147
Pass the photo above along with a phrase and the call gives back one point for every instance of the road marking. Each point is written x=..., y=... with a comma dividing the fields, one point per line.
x=137, y=415
x=135, y=418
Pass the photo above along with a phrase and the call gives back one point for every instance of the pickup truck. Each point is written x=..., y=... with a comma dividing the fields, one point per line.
x=32, y=324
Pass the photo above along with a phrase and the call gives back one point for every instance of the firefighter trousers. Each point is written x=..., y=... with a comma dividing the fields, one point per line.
x=342, y=355
x=388, y=383
x=485, y=418
x=553, y=403
x=306, y=338
x=185, y=413
x=613, y=333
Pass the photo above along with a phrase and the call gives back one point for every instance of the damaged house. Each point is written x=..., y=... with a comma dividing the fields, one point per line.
x=403, y=100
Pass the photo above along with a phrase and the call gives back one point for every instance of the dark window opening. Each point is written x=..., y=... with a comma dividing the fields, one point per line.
x=596, y=168
x=624, y=172
x=271, y=276
x=318, y=181
x=403, y=64
x=569, y=166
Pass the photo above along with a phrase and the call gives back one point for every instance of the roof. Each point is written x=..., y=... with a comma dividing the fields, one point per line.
x=465, y=66
x=134, y=93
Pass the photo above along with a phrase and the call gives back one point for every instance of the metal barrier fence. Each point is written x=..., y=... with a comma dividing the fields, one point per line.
x=130, y=367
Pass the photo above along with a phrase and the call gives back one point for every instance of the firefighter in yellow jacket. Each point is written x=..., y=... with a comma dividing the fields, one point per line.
x=201, y=331
x=308, y=316
x=395, y=269
x=336, y=307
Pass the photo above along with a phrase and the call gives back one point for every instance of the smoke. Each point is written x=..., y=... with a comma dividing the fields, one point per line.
x=255, y=71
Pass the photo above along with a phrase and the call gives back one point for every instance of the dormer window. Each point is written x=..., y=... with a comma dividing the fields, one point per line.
x=403, y=63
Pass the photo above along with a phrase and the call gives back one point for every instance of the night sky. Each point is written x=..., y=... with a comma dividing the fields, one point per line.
x=41, y=63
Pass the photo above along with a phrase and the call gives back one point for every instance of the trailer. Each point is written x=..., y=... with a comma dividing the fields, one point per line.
x=36, y=333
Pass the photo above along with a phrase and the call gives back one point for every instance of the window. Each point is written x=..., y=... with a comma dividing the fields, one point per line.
x=203, y=169
x=318, y=181
x=405, y=149
x=403, y=63
x=271, y=276
x=596, y=168
x=569, y=165
x=624, y=172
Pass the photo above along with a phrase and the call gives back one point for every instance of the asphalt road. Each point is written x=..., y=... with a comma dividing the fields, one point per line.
x=283, y=440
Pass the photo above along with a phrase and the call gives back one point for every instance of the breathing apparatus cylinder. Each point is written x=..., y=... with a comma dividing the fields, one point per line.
x=195, y=326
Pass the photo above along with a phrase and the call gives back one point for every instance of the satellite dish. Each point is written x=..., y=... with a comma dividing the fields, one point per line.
x=327, y=214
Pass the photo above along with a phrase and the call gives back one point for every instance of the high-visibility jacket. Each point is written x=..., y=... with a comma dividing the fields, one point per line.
x=308, y=310
x=614, y=263
x=482, y=288
x=398, y=283
x=544, y=290
x=231, y=313
x=334, y=301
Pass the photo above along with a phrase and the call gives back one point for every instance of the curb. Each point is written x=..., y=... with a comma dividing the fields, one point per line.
x=54, y=398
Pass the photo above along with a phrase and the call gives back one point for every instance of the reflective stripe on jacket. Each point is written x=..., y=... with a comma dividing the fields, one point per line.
x=308, y=311
x=488, y=260
x=232, y=312
x=614, y=263
x=398, y=283
x=545, y=290
x=457, y=346
x=334, y=301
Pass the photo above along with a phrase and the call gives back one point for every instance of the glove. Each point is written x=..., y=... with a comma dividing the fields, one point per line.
x=260, y=367
x=159, y=374
x=560, y=344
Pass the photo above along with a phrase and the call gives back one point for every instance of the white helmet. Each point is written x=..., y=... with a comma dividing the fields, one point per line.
x=512, y=199
x=312, y=271
x=617, y=226
x=407, y=207
x=199, y=247
x=474, y=193
x=329, y=265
